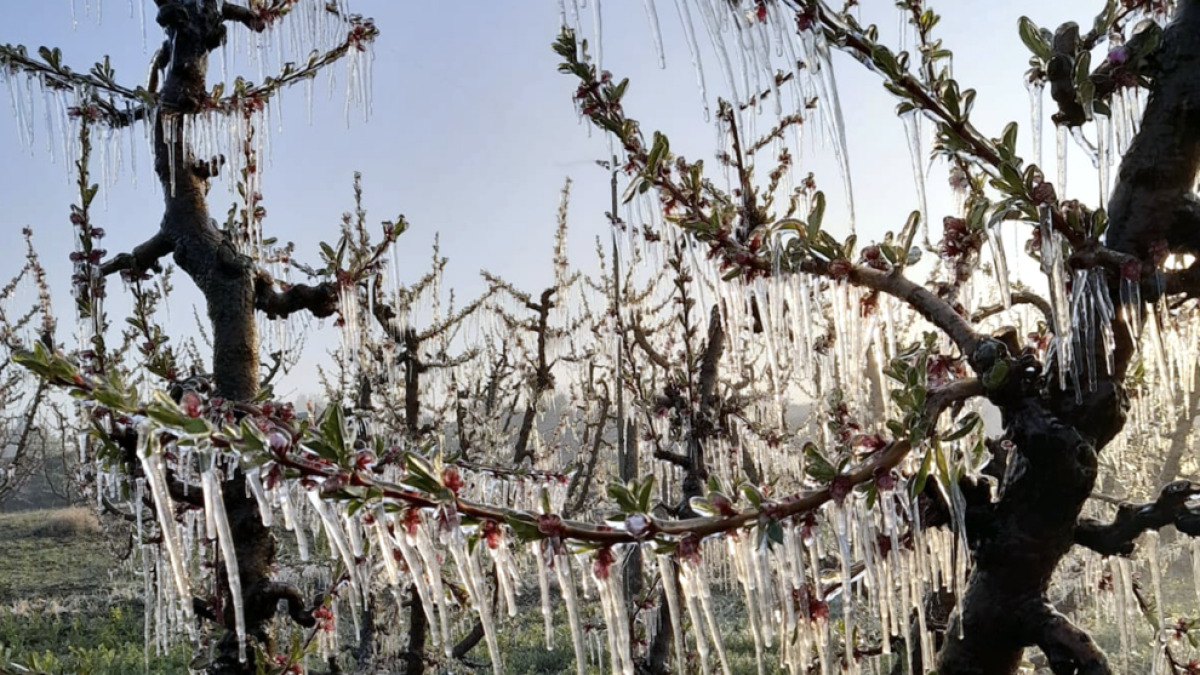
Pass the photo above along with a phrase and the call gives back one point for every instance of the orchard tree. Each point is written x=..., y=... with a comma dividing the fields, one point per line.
x=811, y=408
x=24, y=430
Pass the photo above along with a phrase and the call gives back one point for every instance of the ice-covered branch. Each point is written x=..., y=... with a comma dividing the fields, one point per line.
x=273, y=591
x=1018, y=298
x=1117, y=537
x=247, y=17
x=360, y=34
x=320, y=300
x=1180, y=282
x=142, y=259
x=55, y=75
x=935, y=310
x=554, y=526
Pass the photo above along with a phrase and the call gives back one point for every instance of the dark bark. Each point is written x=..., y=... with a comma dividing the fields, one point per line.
x=1153, y=201
x=418, y=626
x=232, y=288
x=658, y=656
x=1056, y=438
x=582, y=480
x=1117, y=537
x=543, y=380
x=320, y=300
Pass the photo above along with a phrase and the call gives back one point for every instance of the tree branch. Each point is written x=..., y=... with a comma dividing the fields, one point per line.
x=274, y=591
x=248, y=18
x=673, y=458
x=320, y=300
x=1117, y=537
x=882, y=461
x=144, y=257
x=587, y=471
x=639, y=336
x=935, y=310
x=1068, y=648
x=1018, y=298
x=1153, y=200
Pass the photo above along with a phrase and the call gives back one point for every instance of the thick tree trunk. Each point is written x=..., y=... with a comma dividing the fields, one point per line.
x=1019, y=540
x=227, y=280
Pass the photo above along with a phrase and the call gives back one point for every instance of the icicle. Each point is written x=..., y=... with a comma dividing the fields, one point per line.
x=1054, y=267
x=291, y=522
x=1086, y=145
x=468, y=571
x=1104, y=143
x=656, y=31
x=210, y=516
x=225, y=540
x=338, y=538
x=152, y=465
x=544, y=590
x=616, y=619
x=1131, y=304
x=260, y=495
x=912, y=132
x=696, y=588
x=666, y=572
x=1196, y=568
x=599, y=30
x=566, y=583
x=1062, y=161
x=740, y=555
x=1125, y=600
x=506, y=575
x=429, y=586
x=718, y=44
x=1155, y=563
x=1000, y=264
x=827, y=84
x=844, y=534
x=387, y=552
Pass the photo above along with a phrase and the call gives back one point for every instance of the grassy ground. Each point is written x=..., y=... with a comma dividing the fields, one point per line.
x=60, y=609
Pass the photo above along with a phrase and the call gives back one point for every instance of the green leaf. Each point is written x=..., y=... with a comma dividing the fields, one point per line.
x=333, y=428
x=623, y=497
x=660, y=150
x=774, y=532
x=996, y=376
x=523, y=529
x=645, y=494
x=1032, y=37
x=753, y=495
x=703, y=507
x=816, y=215
x=918, y=482
x=816, y=465
x=966, y=425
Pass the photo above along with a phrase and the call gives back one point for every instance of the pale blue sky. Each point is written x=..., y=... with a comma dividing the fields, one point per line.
x=474, y=131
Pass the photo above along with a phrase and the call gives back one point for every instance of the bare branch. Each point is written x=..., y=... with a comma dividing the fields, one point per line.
x=274, y=591
x=247, y=17
x=1017, y=298
x=681, y=461
x=639, y=336
x=936, y=310
x=1067, y=647
x=320, y=300
x=587, y=472
x=144, y=257
x=1117, y=537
